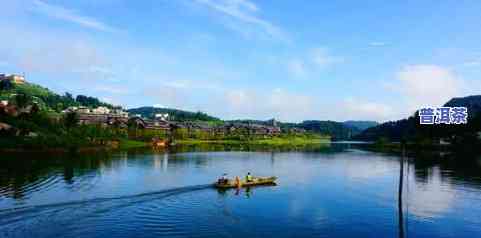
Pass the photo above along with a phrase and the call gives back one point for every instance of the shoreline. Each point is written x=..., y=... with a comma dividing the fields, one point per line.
x=133, y=144
x=271, y=141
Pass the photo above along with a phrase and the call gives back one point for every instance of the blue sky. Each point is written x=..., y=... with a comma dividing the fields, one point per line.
x=291, y=60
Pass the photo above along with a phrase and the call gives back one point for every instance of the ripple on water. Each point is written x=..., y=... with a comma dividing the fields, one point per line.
x=167, y=213
x=23, y=191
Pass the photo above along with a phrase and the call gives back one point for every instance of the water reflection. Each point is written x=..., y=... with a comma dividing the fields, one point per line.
x=327, y=190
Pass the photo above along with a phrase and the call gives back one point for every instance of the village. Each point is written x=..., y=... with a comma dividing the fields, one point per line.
x=163, y=127
x=164, y=123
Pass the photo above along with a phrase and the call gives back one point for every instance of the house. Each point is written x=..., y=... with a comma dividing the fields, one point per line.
x=154, y=124
x=89, y=119
x=82, y=110
x=252, y=129
x=9, y=109
x=100, y=115
x=5, y=127
x=101, y=110
x=14, y=78
x=162, y=116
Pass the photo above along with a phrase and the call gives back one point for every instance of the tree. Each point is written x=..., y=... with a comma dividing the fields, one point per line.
x=180, y=133
x=6, y=85
x=70, y=120
x=22, y=100
x=69, y=96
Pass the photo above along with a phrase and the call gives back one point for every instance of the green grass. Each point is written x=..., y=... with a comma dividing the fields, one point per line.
x=275, y=141
x=130, y=144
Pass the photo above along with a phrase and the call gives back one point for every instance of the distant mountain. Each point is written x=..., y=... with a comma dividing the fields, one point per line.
x=473, y=103
x=174, y=114
x=393, y=130
x=361, y=125
x=411, y=130
x=337, y=130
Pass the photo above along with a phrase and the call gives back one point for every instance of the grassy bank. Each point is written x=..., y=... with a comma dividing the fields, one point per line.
x=275, y=141
x=130, y=144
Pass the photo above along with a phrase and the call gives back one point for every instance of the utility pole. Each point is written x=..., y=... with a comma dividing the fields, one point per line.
x=400, y=191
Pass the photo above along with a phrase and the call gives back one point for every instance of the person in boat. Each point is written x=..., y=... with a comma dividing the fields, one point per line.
x=238, y=182
x=223, y=179
x=249, y=177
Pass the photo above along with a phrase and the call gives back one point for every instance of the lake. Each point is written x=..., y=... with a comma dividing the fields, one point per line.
x=338, y=190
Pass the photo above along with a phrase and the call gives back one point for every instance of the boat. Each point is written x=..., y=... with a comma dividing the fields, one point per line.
x=256, y=181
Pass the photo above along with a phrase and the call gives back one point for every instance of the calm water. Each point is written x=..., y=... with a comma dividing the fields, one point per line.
x=336, y=191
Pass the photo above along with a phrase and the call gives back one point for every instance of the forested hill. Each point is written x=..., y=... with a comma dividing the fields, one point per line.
x=47, y=99
x=337, y=130
x=174, y=114
x=473, y=103
x=361, y=125
x=411, y=130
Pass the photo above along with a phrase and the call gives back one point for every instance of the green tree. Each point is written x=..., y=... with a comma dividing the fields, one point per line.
x=180, y=133
x=6, y=85
x=70, y=120
x=22, y=100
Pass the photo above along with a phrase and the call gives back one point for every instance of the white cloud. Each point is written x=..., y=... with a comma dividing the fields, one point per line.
x=323, y=59
x=112, y=89
x=362, y=110
x=314, y=61
x=473, y=63
x=169, y=96
x=157, y=105
x=243, y=11
x=277, y=103
x=65, y=14
x=377, y=43
x=431, y=198
x=427, y=85
x=297, y=68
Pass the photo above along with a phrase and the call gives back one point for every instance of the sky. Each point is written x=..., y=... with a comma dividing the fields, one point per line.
x=258, y=59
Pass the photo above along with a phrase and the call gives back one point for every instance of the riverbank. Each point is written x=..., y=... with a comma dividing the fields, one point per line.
x=126, y=144
x=123, y=144
x=275, y=141
x=427, y=150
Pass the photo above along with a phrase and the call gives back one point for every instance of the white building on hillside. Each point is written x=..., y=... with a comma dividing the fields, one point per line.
x=162, y=116
x=101, y=110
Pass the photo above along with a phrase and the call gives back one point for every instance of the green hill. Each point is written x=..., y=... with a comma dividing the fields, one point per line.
x=337, y=130
x=174, y=114
x=361, y=125
x=48, y=100
x=410, y=129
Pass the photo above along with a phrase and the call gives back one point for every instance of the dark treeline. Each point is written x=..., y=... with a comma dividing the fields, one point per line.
x=337, y=130
x=461, y=136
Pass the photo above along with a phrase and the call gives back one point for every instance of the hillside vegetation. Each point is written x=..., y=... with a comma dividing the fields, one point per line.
x=48, y=100
x=174, y=114
x=409, y=129
x=361, y=125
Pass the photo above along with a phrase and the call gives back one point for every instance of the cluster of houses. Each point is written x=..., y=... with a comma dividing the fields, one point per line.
x=221, y=129
x=161, y=122
x=10, y=109
x=100, y=115
x=13, y=78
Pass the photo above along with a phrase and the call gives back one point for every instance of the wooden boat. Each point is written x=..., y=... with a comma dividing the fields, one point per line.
x=257, y=181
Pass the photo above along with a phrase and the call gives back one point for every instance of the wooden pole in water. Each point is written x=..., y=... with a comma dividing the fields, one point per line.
x=400, y=191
